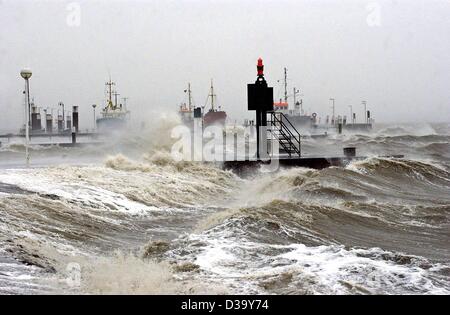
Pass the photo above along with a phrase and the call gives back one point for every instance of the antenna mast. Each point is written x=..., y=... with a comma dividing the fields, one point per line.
x=285, y=86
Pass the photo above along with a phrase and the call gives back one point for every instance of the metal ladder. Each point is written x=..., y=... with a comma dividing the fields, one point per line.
x=286, y=134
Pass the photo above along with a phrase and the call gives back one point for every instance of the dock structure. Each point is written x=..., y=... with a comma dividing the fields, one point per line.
x=57, y=139
x=314, y=162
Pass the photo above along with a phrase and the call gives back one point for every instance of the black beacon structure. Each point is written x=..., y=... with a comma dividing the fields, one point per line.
x=260, y=99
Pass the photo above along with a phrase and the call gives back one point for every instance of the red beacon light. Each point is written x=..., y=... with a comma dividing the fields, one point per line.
x=260, y=68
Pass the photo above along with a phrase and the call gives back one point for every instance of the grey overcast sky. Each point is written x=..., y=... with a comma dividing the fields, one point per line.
x=394, y=54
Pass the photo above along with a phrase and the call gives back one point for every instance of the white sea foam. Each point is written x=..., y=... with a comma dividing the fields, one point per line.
x=321, y=269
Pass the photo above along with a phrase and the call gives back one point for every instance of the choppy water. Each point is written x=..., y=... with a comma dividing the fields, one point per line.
x=135, y=221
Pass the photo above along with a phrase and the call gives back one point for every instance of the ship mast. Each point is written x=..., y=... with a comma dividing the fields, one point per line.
x=212, y=96
x=110, y=84
x=189, y=97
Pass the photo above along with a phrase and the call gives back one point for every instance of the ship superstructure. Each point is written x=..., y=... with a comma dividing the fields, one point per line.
x=297, y=116
x=186, y=111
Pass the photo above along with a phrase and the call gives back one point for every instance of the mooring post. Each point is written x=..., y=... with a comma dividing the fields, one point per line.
x=75, y=118
x=350, y=152
x=260, y=99
x=235, y=146
x=74, y=136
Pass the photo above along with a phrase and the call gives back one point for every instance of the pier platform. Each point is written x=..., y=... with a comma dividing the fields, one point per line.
x=316, y=162
x=68, y=144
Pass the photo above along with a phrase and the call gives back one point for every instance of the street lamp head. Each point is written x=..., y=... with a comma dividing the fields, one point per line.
x=94, y=105
x=26, y=73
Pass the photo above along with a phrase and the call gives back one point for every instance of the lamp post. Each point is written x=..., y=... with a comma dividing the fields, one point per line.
x=332, y=117
x=45, y=120
x=64, y=118
x=26, y=74
x=365, y=110
x=94, y=106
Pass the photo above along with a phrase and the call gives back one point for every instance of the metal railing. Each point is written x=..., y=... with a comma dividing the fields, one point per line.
x=285, y=132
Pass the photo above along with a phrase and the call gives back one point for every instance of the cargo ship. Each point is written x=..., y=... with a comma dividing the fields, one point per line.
x=114, y=115
x=311, y=123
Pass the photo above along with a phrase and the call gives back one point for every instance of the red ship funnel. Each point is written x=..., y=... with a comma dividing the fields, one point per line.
x=260, y=67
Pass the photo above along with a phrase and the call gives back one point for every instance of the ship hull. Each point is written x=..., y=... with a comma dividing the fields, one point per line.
x=215, y=118
x=301, y=121
x=108, y=124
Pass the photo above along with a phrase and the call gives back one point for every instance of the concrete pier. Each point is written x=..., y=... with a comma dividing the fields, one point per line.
x=248, y=167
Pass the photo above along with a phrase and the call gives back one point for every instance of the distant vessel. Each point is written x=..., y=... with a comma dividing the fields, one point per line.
x=296, y=116
x=113, y=115
x=214, y=116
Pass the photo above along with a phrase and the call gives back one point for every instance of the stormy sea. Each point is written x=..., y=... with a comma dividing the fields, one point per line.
x=126, y=218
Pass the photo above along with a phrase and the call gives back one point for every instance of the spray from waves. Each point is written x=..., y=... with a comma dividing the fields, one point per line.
x=177, y=183
x=127, y=273
x=423, y=129
x=151, y=137
x=122, y=163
